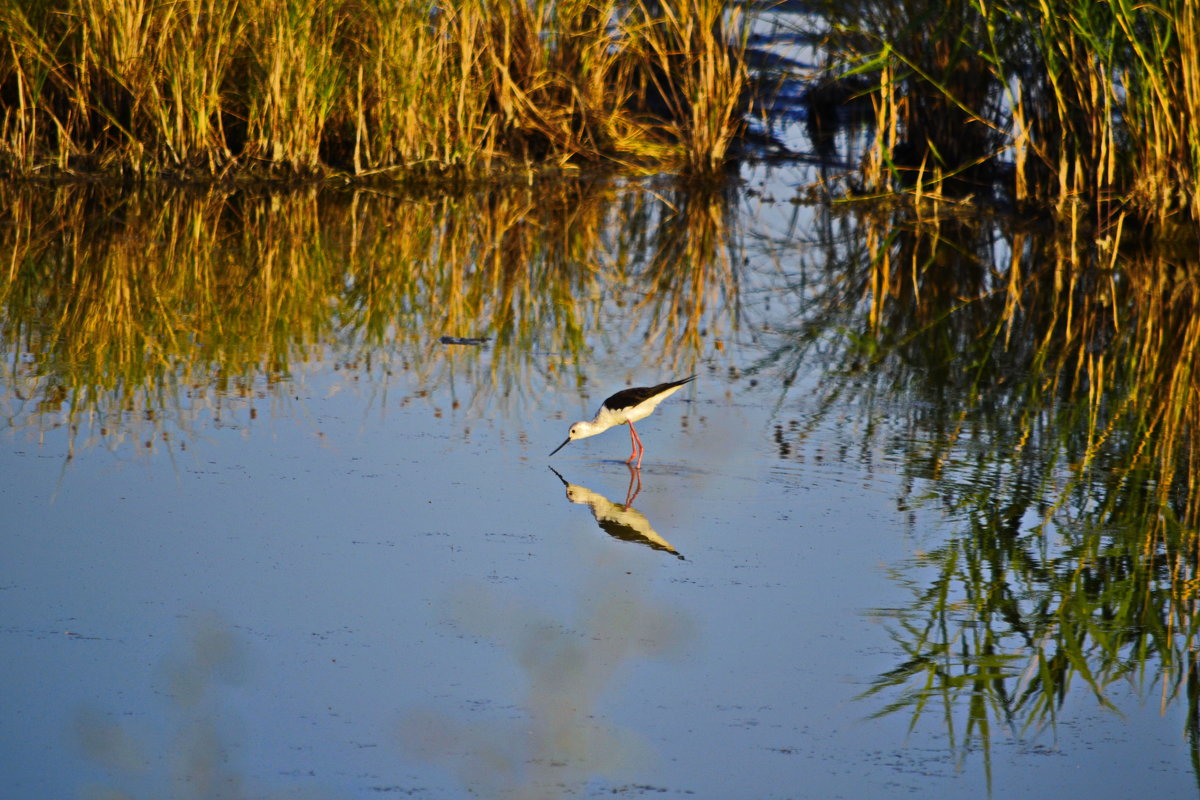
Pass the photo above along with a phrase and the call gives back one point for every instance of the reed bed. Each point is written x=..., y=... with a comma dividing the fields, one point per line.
x=1060, y=102
x=292, y=88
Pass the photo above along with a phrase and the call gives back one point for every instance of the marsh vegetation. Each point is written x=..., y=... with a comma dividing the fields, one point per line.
x=1046, y=392
x=1054, y=103
x=1059, y=104
x=207, y=88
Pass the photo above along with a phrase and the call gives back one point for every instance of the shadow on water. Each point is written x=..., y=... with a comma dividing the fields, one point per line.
x=1041, y=394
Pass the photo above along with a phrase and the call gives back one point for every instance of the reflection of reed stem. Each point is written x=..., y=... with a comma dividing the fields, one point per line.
x=135, y=310
x=1043, y=395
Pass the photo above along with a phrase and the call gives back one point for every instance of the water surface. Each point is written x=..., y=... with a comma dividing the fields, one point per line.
x=278, y=524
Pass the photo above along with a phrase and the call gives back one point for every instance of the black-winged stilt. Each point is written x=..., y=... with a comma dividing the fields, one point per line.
x=625, y=408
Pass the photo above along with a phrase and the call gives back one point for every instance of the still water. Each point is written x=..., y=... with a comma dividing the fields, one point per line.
x=278, y=524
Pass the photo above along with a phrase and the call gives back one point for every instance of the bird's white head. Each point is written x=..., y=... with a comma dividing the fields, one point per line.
x=580, y=430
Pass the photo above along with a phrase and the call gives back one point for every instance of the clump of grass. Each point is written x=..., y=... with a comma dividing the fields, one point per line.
x=297, y=87
x=1062, y=101
x=693, y=76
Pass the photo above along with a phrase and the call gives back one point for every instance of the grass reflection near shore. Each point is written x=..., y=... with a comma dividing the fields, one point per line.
x=1041, y=394
x=132, y=317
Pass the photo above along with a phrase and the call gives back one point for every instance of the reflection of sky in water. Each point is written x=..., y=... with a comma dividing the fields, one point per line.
x=569, y=654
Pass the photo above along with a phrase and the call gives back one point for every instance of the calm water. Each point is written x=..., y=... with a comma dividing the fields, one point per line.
x=267, y=535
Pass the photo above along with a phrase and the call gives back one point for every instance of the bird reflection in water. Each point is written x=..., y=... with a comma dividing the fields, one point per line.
x=621, y=521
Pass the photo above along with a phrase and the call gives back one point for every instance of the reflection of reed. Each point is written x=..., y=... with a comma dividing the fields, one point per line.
x=1044, y=396
x=1059, y=354
x=125, y=312
x=690, y=270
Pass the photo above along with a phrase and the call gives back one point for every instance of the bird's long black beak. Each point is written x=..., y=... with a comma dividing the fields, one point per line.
x=561, y=446
x=560, y=477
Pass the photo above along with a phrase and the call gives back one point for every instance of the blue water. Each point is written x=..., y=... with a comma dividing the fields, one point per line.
x=347, y=595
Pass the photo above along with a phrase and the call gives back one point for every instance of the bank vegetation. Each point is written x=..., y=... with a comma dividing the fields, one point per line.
x=201, y=89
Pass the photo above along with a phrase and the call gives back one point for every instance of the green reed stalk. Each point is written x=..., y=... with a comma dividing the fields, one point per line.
x=293, y=81
x=690, y=51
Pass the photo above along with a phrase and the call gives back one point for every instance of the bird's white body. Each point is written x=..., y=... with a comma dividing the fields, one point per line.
x=611, y=417
x=625, y=408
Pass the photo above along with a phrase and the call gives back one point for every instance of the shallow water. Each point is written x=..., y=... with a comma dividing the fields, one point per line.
x=316, y=551
x=336, y=601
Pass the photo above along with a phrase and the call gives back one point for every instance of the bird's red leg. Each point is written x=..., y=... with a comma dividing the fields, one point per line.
x=632, y=443
x=639, y=448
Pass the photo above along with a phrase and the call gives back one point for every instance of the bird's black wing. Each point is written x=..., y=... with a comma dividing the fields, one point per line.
x=628, y=398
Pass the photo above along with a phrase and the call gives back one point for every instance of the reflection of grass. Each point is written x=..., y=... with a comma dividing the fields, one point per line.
x=121, y=312
x=296, y=87
x=1047, y=401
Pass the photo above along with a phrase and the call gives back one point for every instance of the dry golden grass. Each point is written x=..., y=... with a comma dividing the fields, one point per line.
x=203, y=88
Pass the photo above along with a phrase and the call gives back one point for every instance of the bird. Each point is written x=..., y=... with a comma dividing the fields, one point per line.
x=625, y=408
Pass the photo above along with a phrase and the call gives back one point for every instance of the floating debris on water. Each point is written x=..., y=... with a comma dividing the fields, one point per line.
x=480, y=340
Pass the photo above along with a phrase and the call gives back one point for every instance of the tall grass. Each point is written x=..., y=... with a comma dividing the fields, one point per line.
x=293, y=87
x=1062, y=101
